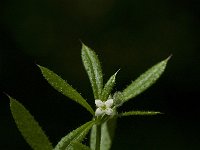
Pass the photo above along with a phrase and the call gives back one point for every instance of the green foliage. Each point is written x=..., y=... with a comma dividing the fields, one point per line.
x=118, y=98
x=145, y=80
x=79, y=146
x=108, y=87
x=28, y=127
x=107, y=134
x=93, y=137
x=93, y=69
x=103, y=126
x=62, y=86
x=75, y=136
x=140, y=113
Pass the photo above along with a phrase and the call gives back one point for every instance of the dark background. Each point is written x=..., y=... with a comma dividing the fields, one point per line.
x=129, y=34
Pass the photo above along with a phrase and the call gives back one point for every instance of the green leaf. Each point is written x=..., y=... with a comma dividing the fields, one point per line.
x=145, y=80
x=93, y=137
x=93, y=69
x=107, y=134
x=79, y=146
x=75, y=136
x=118, y=99
x=108, y=87
x=63, y=87
x=140, y=113
x=28, y=127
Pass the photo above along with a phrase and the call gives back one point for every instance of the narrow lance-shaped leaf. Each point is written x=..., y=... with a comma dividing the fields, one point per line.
x=139, y=113
x=63, y=87
x=79, y=146
x=28, y=127
x=118, y=99
x=75, y=136
x=107, y=134
x=93, y=69
x=145, y=80
x=93, y=137
x=108, y=87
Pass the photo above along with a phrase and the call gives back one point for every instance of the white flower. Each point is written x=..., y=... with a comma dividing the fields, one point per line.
x=103, y=107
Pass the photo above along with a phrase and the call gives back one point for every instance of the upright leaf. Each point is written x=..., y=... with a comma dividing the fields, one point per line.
x=108, y=87
x=93, y=69
x=63, y=87
x=28, y=127
x=107, y=134
x=75, y=136
x=145, y=80
x=139, y=113
x=93, y=137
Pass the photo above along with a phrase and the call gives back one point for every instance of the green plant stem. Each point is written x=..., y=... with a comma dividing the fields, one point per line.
x=98, y=137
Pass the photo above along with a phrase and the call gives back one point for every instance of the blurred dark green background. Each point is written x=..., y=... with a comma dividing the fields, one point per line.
x=129, y=34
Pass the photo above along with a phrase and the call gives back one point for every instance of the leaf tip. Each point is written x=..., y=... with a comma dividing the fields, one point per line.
x=160, y=113
x=10, y=98
x=117, y=71
x=83, y=45
x=40, y=66
x=169, y=57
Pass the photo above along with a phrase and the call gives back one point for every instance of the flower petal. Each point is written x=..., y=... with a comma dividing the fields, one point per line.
x=109, y=111
x=99, y=112
x=99, y=103
x=109, y=103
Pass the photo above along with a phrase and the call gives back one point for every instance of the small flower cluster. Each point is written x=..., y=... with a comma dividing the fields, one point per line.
x=104, y=107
